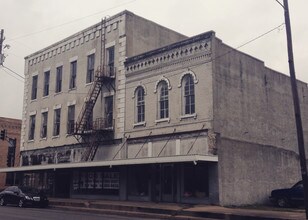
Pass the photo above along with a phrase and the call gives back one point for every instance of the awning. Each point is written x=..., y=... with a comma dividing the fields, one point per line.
x=119, y=162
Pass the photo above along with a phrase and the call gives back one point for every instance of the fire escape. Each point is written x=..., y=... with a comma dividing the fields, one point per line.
x=91, y=133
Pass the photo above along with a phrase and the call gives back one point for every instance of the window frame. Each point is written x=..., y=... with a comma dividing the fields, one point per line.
x=34, y=87
x=57, y=122
x=59, y=74
x=163, y=100
x=31, y=133
x=46, y=83
x=188, y=95
x=70, y=119
x=90, y=68
x=73, y=75
x=140, y=105
x=44, y=124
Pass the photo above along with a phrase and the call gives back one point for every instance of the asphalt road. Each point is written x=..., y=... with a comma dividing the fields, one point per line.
x=16, y=213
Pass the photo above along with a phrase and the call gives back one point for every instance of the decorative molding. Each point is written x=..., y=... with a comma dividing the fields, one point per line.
x=135, y=90
x=163, y=78
x=188, y=72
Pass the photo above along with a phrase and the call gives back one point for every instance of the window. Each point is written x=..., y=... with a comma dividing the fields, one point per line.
x=110, y=60
x=140, y=106
x=90, y=69
x=163, y=100
x=31, y=127
x=44, y=125
x=59, y=79
x=46, y=83
x=56, y=122
x=70, y=119
x=189, y=95
x=109, y=111
x=34, y=87
x=73, y=75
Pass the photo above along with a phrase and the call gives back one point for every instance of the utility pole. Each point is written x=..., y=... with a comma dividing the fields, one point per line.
x=1, y=44
x=298, y=120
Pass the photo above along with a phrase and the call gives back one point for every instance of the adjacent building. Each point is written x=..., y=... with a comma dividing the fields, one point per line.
x=130, y=110
x=9, y=150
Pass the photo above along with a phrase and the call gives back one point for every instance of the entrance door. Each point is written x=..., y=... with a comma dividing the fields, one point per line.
x=62, y=186
x=165, y=183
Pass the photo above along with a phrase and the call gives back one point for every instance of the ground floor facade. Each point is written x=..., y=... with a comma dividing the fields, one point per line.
x=188, y=182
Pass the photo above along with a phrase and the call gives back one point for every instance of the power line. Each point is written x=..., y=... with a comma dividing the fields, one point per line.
x=14, y=72
x=69, y=22
x=224, y=54
x=13, y=76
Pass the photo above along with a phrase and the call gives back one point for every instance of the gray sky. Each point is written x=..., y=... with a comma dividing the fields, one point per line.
x=34, y=24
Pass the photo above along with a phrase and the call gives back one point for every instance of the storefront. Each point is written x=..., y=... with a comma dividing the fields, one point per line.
x=190, y=179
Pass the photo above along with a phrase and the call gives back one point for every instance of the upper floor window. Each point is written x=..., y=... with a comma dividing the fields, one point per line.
x=59, y=79
x=188, y=95
x=44, y=124
x=56, y=122
x=70, y=119
x=46, y=83
x=110, y=60
x=34, y=87
x=163, y=100
x=90, y=68
x=31, y=127
x=73, y=75
x=140, y=105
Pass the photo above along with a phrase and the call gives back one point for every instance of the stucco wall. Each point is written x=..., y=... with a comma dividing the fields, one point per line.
x=248, y=172
x=254, y=103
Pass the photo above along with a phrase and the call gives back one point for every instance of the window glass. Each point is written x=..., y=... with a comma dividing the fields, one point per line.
x=31, y=127
x=163, y=100
x=71, y=119
x=90, y=69
x=140, y=105
x=73, y=75
x=44, y=124
x=189, y=95
x=57, y=121
x=59, y=79
x=46, y=83
x=34, y=87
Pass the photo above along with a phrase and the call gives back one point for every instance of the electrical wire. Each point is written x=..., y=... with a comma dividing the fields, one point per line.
x=13, y=76
x=69, y=22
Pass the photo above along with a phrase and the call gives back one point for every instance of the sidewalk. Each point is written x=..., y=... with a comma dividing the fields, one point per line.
x=172, y=210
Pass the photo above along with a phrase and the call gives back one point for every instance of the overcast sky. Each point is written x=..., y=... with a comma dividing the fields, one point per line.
x=34, y=24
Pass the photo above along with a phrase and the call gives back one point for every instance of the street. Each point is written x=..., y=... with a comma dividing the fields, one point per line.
x=16, y=213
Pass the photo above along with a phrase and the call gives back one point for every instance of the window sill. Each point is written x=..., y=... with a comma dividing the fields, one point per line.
x=162, y=120
x=33, y=100
x=58, y=93
x=139, y=124
x=72, y=89
x=56, y=136
x=68, y=135
x=89, y=83
x=31, y=141
x=189, y=116
x=43, y=139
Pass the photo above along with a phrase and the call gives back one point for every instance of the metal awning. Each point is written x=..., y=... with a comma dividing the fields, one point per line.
x=119, y=162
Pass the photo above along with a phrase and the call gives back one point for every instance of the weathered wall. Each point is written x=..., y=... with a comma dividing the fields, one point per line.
x=254, y=103
x=249, y=171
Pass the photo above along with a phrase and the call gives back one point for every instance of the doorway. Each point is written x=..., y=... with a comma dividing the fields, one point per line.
x=62, y=184
x=164, y=178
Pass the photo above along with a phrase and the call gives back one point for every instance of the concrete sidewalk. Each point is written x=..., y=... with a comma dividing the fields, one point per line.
x=174, y=211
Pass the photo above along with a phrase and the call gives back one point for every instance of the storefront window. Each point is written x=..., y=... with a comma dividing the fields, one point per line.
x=196, y=181
x=139, y=179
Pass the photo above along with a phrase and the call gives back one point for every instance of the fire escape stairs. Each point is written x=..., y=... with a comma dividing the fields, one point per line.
x=87, y=134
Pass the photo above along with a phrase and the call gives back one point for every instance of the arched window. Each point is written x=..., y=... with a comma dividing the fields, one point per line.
x=140, y=105
x=163, y=100
x=188, y=95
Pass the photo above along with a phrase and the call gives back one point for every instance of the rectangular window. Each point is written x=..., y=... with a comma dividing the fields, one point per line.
x=46, y=83
x=70, y=119
x=44, y=124
x=34, y=87
x=73, y=75
x=110, y=61
x=109, y=111
x=56, y=122
x=59, y=79
x=31, y=127
x=90, y=69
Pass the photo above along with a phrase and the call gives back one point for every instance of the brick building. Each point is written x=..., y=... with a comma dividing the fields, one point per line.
x=13, y=128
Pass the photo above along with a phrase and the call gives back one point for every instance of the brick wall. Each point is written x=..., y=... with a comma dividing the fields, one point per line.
x=13, y=128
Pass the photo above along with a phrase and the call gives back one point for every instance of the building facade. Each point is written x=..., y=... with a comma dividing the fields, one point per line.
x=130, y=110
x=9, y=148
